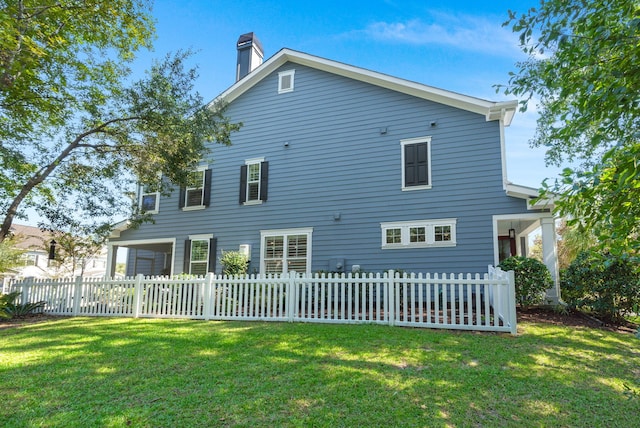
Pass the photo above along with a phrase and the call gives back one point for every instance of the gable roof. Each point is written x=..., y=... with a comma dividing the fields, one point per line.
x=491, y=110
x=30, y=237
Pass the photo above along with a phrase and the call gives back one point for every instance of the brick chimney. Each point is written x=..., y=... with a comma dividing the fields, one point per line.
x=250, y=55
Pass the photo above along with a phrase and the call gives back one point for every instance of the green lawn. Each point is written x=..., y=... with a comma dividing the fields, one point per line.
x=118, y=372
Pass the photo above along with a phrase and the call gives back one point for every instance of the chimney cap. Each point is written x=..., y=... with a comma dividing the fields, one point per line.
x=249, y=39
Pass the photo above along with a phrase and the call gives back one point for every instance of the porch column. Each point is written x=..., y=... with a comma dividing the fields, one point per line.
x=550, y=257
x=112, y=254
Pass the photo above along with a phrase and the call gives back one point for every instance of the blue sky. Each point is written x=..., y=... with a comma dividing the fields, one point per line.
x=454, y=45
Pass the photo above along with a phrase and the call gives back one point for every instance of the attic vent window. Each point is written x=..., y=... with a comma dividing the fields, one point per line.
x=285, y=81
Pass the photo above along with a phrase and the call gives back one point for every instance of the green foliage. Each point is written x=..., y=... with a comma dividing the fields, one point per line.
x=603, y=283
x=572, y=241
x=532, y=279
x=10, y=255
x=10, y=309
x=584, y=72
x=75, y=134
x=234, y=263
x=65, y=56
x=5, y=299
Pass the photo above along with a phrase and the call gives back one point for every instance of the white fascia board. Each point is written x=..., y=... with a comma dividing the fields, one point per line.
x=491, y=110
x=119, y=228
x=528, y=193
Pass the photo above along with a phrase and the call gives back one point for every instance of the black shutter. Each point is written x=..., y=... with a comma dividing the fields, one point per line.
x=183, y=193
x=264, y=180
x=243, y=184
x=212, y=254
x=187, y=256
x=416, y=162
x=207, y=188
x=422, y=156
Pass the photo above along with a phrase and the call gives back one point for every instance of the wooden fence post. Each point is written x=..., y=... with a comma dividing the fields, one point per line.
x=292, y=291
x=511, y=293
x=389, y=292
x=208, y=287
x=77, y=296
x=137, y=296
x=25, y=288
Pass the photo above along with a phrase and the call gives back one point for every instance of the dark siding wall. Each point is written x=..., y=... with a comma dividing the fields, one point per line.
x=338, y=161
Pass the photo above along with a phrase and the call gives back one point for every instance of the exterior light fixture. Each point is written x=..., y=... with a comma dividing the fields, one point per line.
x=52, y=249
x=512, y=233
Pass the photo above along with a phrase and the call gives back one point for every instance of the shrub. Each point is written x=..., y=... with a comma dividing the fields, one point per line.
x=607, y=285
x=234, y=263
x=10, y=309
x=532, y=279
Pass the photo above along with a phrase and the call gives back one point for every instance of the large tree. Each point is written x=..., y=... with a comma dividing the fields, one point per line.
x=74, y=133
x=584, y=73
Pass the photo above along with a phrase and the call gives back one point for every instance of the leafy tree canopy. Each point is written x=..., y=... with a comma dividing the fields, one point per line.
x=74, y=134
x=10, y=255
x=584, y=72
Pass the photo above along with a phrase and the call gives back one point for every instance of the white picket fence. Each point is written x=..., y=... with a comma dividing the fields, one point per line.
x=468, y=302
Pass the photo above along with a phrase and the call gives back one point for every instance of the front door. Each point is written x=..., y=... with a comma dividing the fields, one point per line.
x=506, y=247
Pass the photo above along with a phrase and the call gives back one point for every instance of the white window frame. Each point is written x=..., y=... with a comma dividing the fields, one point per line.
x=142, y=194
x=198, y=238
x=429, y=226
x=281, y=76
x=186, y=207
x=410, y=141
x=308, y=231
x=248, y=163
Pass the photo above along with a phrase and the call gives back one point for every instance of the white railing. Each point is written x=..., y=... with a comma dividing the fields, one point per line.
x=469, y=302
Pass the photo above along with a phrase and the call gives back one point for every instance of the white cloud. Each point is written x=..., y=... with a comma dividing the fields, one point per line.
x=471, y=33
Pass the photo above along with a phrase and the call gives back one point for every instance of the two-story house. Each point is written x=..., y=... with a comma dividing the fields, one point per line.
x=339, y=168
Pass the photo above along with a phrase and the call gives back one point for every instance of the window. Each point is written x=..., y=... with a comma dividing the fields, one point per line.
x=149, y=200
x=286, y=250
x=199, y=257
x=420, y=233
x=394, y=236
x=199, y=254
x=442, y=233
x=30, y=259
x=285, y=81
x=253, y=181
x=195, y=195
x=416, y=163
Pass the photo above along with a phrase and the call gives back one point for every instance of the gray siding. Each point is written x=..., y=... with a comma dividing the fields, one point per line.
x=339, y=161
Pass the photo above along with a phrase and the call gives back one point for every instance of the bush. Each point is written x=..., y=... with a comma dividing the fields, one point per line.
x=10, y=309
x=532, y=279
x=607, y=285
x=234, y=263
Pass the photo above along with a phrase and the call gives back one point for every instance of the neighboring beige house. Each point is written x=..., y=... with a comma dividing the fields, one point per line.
x=36, y=261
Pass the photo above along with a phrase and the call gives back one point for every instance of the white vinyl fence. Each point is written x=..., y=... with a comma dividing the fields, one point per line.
x=468, y=302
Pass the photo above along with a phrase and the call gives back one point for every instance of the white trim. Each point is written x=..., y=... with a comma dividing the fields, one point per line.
x=503, y=156
x=409, y=141
x=285, y=233
x=110, y=246
x=490, y=109
x=281, y=76
x=203, y=169
x=201, y=236
x=249, y=163
x=194, y=208
x=253, y=160
x=143, y=194
x=429, y=225
x=512, y=217
x=529, y=193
